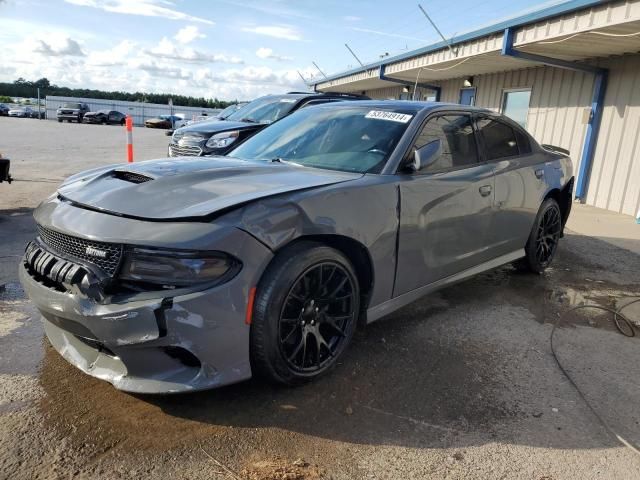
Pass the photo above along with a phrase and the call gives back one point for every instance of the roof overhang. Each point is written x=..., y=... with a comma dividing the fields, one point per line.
x=601, y=30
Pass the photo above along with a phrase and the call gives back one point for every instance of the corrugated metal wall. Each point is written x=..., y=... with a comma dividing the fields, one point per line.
x=615, y=176
x=559, y=99
x=139, y=111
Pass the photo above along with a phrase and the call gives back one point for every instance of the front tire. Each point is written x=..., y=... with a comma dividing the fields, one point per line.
x=305, y=313
x=543, y=240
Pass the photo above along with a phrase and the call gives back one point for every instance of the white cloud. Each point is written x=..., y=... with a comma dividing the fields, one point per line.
x=351, y=18
x=147, y=8
x=276, y=31
x=264, y=52
x=167, y=66
x=188, y=34
x=57, y=47
x=167, y=49
x=111, y=57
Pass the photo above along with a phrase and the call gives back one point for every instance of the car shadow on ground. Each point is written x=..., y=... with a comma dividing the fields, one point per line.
x=467, y=366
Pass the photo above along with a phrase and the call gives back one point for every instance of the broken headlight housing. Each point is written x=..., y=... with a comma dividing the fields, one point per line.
x=171, y=269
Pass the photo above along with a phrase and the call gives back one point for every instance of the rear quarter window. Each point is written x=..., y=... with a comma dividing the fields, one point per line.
x=499, y=138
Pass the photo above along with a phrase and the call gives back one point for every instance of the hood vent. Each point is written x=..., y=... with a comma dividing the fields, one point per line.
x=131, y=176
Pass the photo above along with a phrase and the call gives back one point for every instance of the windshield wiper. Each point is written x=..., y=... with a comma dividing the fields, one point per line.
x=249, y=120
x=282, y=160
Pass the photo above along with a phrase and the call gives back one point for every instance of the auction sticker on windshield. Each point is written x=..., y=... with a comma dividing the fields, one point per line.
x=392, y=116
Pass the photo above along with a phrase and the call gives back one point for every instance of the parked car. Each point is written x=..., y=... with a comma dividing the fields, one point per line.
x=38, y=114
x=184, y=122
x=217, y=138
x=4, y=110
x=162, y=121
x=111, y=117
x=265, y=261
x=72, y=112
x=22, y=112
x=230, y=110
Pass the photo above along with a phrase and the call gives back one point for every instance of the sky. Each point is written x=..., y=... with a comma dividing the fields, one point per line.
x=225, y=49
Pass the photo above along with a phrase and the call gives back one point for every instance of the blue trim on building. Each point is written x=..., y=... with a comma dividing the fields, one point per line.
x=531, y=17
x=597, y=104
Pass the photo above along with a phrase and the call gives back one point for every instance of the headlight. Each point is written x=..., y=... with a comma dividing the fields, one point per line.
x=175, y=268
x=222, y=140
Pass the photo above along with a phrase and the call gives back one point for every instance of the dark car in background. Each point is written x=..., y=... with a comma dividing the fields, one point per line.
x=229, y=110
x=162, y=121
x=4, y=110
x=111, y=117
x=72, y=112
x=217, y=138
x=265, y=261
x=42, y=113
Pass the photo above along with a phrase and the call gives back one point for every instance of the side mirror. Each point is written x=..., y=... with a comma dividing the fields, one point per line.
x=426, y=155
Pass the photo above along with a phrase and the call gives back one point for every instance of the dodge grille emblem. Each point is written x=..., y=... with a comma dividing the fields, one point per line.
x=94, y=252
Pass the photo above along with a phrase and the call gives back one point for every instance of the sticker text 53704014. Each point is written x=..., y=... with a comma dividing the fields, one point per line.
x=391, y=116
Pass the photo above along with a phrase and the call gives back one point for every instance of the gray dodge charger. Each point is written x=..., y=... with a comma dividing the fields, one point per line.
x=186, y=274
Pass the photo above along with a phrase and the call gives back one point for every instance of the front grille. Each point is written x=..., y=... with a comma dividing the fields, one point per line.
x=77, y=247
x=131, y=176
x=184, y=150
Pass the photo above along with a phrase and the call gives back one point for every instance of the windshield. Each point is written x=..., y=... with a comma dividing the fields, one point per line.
x=229, y=110
x=352, y=139
x=71, y=105
x=264, y=110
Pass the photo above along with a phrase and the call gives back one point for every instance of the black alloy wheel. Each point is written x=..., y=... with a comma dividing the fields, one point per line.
x=315, y=317
x=305, y=313
x=543, y=240
x=548, y=235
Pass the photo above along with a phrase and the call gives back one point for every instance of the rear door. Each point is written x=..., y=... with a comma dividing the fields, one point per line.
x=446, y=208
x=519, y=182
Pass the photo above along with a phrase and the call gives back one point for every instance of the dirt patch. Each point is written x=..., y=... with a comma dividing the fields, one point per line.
x=279, y=469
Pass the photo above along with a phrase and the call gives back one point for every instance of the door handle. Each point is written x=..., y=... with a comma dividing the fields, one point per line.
x=539, y=173
x=485, y=190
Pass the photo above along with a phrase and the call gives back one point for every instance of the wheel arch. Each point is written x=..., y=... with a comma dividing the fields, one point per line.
x=564, y=197
x=355, y=251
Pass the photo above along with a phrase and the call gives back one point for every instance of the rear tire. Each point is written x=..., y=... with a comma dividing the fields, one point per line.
x=543, y=240
x=305, y=313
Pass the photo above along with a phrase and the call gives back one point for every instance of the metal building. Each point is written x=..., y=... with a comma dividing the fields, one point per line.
x=569, y=72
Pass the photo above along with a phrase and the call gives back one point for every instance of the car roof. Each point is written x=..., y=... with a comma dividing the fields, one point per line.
x=408, y=106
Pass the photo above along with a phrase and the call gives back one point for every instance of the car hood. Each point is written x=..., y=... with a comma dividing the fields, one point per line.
x=207, y=127
x=187, y=187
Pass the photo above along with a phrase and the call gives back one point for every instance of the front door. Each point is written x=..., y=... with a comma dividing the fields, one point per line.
x=446, y=208
x=468, y=96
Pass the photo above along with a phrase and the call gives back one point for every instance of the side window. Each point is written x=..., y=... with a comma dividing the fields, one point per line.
x=499, y=138
x=458, y=141
x=524, y=145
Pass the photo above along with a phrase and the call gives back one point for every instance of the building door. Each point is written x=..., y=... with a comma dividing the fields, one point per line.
x=468, y=96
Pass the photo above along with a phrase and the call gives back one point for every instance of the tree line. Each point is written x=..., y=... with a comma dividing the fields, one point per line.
x=26, y=88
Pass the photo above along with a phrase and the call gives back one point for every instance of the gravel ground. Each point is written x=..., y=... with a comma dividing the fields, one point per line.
x=458, y=385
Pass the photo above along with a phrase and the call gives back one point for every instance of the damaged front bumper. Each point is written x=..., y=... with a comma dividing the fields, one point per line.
x=154, y=342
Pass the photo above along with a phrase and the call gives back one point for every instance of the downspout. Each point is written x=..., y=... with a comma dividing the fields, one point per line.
x=435, y=88
x=597, y=104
